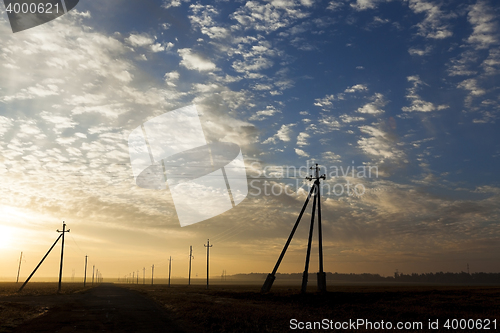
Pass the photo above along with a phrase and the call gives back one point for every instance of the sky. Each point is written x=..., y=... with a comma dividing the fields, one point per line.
x=405, y=89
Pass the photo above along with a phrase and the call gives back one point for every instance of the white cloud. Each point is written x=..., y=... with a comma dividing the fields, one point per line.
x=139, y=40
x=194, y=61
x=472, y=86
x=348, y=119
x=417, y=103
x=379, y=144
x=420, y=52
x=484, y=24
x=302, y=139
x=300, y=152
x=269, y=16
x=203, y=18
x=263, y=114
x=432, y=26
x=365, y=4
x=173, y=3
x=356, y=88
x=331, y=157
x=335, y=5
x=374, y=107
x=171, y=78
x=283, y=134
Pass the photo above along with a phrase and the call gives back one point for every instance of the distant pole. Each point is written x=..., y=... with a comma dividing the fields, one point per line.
x=169, y=269
x=137, y=277
x=62, y=254
x=208, y=246
x=144, y=275
x=85, y=277
x=93, y=271
x=152, y=273
x=97, y=275
x=190, y=257
x=19, y=269
x=133, y=277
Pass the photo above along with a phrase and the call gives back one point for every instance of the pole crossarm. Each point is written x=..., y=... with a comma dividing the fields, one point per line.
x=316, y=193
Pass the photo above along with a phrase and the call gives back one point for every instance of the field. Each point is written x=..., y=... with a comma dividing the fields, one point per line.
x=35, y=300
x=242, y=308
x=245, y=309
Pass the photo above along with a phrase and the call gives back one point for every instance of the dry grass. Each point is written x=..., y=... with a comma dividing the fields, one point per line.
x=38, y=288
x=244, y=309
x=17, y=308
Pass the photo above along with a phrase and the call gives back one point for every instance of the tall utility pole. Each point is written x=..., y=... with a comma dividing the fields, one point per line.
x=93, y=271
x=190, y=257
x=137, y=277
x=19, y=269
x=152, y=273
x=144, y=275
x=85, y=276
x=169, y=269
x=208, y=246
x=62, y=254
x=314, y=192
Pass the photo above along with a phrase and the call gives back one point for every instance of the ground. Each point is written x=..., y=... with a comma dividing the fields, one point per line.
x=233, y=308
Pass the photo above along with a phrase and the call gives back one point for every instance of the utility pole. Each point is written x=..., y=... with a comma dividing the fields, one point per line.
x=93, y=271
x=144, y=275
x=133, y=277
x=190, y=257
x=85, y=277
x=97, y=275
x=62, y=254
x=315, y=193
x=152, y=273
x=19, y=269
x=169, y=269
x=40, y=263
x=208, y=246
x=137, y=277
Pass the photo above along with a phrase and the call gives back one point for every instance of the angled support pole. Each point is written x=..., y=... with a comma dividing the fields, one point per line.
x=40, y=263
x=272, y=276
x=309, y=242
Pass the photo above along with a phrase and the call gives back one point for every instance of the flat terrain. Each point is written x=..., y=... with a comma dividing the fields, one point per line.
x=159, y=308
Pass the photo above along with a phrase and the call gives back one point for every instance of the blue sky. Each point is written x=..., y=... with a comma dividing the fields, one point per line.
x=409, y=87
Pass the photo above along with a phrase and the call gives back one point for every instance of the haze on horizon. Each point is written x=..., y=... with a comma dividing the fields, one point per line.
x=409, y=88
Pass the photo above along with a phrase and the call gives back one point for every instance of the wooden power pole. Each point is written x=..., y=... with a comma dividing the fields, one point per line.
x=85, y=276
x=169, y=269
x=62, y=254
x=190, y=257
x=208, y=246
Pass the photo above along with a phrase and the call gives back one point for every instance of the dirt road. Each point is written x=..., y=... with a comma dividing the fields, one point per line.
x=106, y=308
